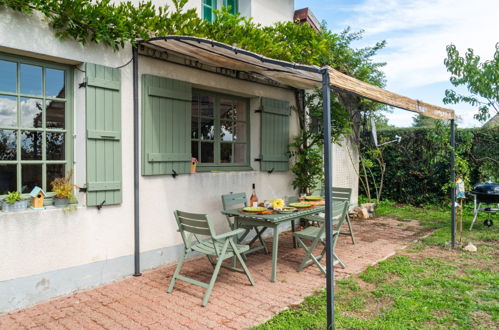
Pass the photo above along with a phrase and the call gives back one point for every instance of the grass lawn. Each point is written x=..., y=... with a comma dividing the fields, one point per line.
x=427, y=285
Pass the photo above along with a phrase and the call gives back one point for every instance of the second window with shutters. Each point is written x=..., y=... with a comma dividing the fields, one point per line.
x=220, y=131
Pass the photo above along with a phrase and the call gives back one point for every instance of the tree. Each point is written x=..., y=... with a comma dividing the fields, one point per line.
x=423, y=121
x=480, y=78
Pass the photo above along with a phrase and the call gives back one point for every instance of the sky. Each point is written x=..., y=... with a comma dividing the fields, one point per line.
x=417, y=33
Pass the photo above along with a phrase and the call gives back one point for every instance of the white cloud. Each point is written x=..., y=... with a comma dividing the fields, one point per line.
x=417, y=32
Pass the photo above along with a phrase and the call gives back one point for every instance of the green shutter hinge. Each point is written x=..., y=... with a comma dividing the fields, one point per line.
x=83, y=84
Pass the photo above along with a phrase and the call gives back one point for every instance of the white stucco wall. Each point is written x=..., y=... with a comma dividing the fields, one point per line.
x=264, y=12
x=45, y=246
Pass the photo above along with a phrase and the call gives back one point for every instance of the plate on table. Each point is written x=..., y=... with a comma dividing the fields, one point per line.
x=287, y=209
x=301, y=205
x=313, y=198
x=254, y=209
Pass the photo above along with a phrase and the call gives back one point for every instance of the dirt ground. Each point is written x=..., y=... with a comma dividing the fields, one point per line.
x=142, y=302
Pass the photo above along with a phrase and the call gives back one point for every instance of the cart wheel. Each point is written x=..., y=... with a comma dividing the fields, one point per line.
x=488, y=223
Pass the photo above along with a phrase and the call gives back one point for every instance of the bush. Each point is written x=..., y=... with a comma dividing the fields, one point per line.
x=418, y=169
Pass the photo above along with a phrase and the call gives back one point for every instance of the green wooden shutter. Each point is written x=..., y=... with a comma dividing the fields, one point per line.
x=274, y=135
x=103, y=120
x=166, y=126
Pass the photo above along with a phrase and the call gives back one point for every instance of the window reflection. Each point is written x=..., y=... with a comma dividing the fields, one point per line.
x=55, y=112
x=54, y=83
x=8, y=111
x=8, y=150
x=8, y=178
x=55, y=146
x=226, y=152
x=31, y=177
x=54, y=171
x=8, y=74
x=31, y=145
x=31, y=79
x=31, y=113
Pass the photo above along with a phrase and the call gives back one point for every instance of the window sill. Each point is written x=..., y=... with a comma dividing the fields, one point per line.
x=47, y=208
x=221, y=169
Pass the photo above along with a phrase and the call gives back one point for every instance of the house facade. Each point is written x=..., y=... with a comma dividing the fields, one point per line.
x=68, y=107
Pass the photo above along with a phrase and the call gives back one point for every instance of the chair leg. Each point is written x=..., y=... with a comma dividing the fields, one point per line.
x=177, y=271
x=309, y=256
x=350, y=229
x=241, y=261
x=221, y=257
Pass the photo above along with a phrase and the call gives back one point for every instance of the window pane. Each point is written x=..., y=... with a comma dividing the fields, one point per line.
x=227, y=109
x=31, y=145
x=31, y=176
x=207, y=152
x=194, y=128
x=226, y=152
x=194, y=149
x=31, y=112
x=207, y=106
x=8, y=76
x=207, y=129
x=8, y=111
x=227, y=130
x=207, y=13
x=54, y=171
x=31, y=79
x=239, y=153
x=54, y=83
x=55, y=146
x=8, y=144
x=8, y=178
x=240, y=134
x=195, y=106
x=55, y=112
x=241, y=110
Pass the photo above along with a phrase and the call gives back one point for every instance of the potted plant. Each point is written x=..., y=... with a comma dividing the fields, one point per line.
x=13, y=202
x=63, y=189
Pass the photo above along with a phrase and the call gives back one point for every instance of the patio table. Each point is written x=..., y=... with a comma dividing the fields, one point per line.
x=271, y=221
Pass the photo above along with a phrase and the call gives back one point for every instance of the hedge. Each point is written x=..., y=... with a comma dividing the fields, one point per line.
x=418, y=170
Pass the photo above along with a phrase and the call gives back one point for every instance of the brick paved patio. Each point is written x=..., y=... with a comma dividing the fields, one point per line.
x=142, y=302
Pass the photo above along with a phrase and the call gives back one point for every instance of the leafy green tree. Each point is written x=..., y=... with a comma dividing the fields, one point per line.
x=423, y=121
x=480, y=78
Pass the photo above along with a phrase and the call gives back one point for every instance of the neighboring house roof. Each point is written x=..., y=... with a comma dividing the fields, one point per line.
x=306, y=15
x=493, y=122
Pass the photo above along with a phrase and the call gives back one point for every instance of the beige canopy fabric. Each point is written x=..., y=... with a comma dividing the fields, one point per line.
x=290, y=74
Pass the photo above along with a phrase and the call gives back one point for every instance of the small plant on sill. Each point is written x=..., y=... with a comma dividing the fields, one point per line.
x=13, y=197
x=63, y=189
x=14, y=201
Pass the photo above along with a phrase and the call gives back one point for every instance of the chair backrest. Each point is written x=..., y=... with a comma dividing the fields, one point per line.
x=340, y=212
x=230, y=200
x=193, y=223
x=339, y=193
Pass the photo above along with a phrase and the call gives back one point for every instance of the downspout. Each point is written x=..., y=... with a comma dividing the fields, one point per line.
x=328, y=184
x=453, y=180
x=136, y=155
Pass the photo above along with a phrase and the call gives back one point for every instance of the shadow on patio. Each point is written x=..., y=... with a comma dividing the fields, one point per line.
x=142, y=302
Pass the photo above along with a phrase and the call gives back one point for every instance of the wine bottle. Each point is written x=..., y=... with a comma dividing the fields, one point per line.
x=254, y=198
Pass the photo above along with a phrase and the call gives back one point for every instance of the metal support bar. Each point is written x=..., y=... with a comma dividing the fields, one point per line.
x=136, y=169
x=328, y=184
x=453, y=180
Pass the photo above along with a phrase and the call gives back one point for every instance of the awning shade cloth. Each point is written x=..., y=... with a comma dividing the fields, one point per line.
x=295, y=75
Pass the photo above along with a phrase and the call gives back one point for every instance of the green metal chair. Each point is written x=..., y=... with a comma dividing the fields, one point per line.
x=192, y=225
x=342, y=194
x=231, y=201
x=318, y=236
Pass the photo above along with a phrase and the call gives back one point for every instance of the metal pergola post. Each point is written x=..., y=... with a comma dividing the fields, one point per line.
x=136, y=157
x=453, y=180
x=328, y=184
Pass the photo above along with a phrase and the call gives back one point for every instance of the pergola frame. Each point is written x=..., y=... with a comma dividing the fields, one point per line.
x=296, y=75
